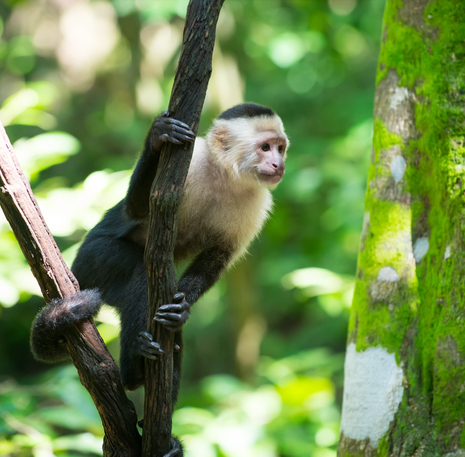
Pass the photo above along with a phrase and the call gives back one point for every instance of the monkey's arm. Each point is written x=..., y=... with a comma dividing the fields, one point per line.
x=164, y=129
x=203, y=272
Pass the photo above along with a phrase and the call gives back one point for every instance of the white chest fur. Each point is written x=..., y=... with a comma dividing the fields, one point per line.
x=218, y=206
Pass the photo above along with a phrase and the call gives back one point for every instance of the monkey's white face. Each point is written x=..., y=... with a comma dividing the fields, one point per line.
x=270, y=149
x=253, y=149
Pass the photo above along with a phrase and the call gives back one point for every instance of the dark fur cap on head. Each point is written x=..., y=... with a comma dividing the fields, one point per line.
x=246, y=110
x=48, y=343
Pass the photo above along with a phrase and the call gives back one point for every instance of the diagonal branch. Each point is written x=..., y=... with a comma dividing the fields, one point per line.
x=97, y=369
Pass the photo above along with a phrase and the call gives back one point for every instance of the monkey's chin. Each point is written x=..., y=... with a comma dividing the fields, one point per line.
x=269, y=180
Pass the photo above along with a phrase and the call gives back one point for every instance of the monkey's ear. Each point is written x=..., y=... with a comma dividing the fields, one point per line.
x=219, y=138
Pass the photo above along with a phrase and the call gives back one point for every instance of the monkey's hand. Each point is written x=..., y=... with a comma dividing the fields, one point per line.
x=147, y=347
x=166, y=129
x=173, y=316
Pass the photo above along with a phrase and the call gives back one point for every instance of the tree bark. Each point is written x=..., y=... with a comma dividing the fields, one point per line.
x=187, y=97
x=97, y=369
x=404, y=391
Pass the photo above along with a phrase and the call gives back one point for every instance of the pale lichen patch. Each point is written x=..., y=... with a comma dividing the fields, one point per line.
x=397, y=97
x=373, y=390
x=457, y=453
x=388, y=274
x=398, y=167
x=447, y=252
x=420, y=248
x=385, y=285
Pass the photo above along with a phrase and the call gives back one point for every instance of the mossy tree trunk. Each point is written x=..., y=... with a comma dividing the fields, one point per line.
x=404, y=392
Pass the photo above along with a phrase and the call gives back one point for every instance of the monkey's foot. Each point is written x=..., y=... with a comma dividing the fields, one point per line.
x=176, y=448
x=147, y=347
x=174, y=315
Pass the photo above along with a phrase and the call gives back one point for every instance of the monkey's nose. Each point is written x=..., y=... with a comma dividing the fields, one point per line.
x=279, y=167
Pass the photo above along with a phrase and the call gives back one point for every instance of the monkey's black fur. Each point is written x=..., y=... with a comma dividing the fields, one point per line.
x=47, y=341
x=246, y=110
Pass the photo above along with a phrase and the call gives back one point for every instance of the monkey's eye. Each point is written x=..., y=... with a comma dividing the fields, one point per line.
x=281, y=148
x=265, y=147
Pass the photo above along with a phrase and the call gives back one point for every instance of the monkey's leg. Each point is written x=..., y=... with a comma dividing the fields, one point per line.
x=116, y=267
x=136, y=343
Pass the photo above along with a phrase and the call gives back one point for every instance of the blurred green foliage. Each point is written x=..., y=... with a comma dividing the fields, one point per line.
x=80, y=83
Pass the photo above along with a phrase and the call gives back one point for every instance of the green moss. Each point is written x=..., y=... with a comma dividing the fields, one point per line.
x=462, y=437
x=383, y=138
x=383, y=446
x=405, y=59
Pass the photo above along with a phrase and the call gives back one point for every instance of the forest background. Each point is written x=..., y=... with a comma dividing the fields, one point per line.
x=80, y=83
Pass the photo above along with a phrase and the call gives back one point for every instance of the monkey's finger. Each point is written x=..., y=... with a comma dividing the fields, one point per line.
x=178, y=123
x=151, y=349
x=165, y=137
x=173, y=123
x=168, y=316
x=146, y=336
x=187, y=133
x=169, y=137
x=168, y=325
x=149, y=356
x=178, y=129
x=145, y=352
x=170, y=308
x=152, y=353
x=184, y=138
x=185, y=129
x=177, y=348
x=175, y=140
x=165, y=113
x=154, y=347
x=178, y=297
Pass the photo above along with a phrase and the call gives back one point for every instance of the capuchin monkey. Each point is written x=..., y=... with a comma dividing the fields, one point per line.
x=225, y=202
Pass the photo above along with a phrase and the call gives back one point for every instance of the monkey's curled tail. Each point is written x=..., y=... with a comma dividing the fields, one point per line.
x=47, y=341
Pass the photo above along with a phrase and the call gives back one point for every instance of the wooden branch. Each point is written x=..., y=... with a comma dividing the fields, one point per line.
x=97, y=369
x=187, y=97
x=37, y=243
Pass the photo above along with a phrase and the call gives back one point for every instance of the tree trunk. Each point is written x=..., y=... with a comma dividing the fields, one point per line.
x=404, y=391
